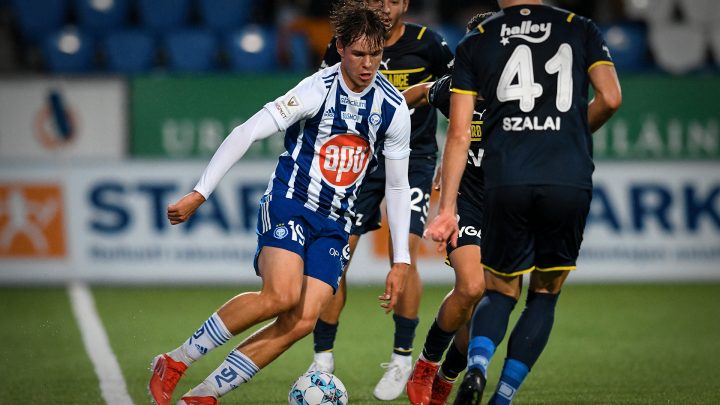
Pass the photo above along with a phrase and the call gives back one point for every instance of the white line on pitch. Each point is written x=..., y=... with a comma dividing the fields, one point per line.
x=112, y=384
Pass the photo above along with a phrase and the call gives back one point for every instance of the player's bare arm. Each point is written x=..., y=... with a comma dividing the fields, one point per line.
x=608, y=95
x=444, y=226
x=417, y=95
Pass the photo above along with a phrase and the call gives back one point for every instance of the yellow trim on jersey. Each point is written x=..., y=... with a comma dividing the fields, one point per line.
x=461, y=91
x=570, y=17
x=427, y=79
x=558, y=268
x=517, y=273
x=388, y=72
x=600, y=62
x=481, y=29
x=422, y=31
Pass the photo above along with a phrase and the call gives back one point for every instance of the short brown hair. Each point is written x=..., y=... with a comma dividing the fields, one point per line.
x=353, y=19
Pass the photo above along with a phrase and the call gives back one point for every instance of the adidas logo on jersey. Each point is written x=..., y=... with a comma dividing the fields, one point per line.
x=524, y=32
x=330, y=113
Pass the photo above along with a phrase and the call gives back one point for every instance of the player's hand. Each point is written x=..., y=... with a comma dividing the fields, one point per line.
x=443, y=229
x=394, y=285
x=184, y=208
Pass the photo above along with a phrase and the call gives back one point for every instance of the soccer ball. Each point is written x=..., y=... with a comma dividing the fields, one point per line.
x=318, y=388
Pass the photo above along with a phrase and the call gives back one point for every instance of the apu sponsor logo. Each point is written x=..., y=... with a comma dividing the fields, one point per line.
x=526, y=31
x=343, y=159
x=31, y=221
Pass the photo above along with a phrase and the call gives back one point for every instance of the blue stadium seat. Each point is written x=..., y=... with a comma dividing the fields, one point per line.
x=99, y=16
x=191, y=50
x=164, y=15
x=628, y=46
x=252, y=49
x=39, y=18
x=69, y=51
x=225, y=15
x=300, y=54
x=452, y=34
x=130, y=50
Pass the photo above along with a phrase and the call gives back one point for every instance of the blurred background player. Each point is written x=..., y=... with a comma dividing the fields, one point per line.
x=412, y=54
x=532, y=63
x=429, y=382
x=302, y=229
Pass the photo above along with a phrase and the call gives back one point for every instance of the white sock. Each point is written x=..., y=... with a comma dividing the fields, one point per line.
x=324, y=357
x=212, y=333
x=404, y=360
x=235, y=370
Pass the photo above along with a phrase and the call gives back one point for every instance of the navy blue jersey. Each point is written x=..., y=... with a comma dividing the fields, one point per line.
x=471, y=185
x=531, y=63
x=420, y=55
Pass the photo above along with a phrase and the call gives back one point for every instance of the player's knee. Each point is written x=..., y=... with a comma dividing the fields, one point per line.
x=470, y=292
x=281, y=301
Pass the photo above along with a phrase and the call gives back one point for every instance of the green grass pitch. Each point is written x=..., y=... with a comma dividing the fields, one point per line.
x=612, y=344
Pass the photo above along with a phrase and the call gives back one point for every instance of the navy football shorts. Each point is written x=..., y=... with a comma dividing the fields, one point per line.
x=530, y=228
x=367, y=205
x=470, y=214
x=321, y=242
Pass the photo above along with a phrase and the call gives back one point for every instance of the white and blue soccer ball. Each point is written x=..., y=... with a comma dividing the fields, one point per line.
x=318, y=388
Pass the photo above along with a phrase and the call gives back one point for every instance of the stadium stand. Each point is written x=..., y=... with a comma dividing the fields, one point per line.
x=69, y=50
x=641, y=34
x=99, y=16
x=224, y=15
x=629, y=47
x=252, y=48
x=164, y=15
x=191, y=50
x=39, y=18
x=130, y=51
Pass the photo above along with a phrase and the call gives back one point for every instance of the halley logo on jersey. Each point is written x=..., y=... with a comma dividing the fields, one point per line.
x=523, y=32
x=343, y=159
x=31, y=221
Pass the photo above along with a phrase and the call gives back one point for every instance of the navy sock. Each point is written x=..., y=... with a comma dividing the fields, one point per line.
x=532, y=330
x=324, y=336
x=489, y=323
x=404, y=335
x=454, y=363
x=513, y=374
x=527, y=341
x=436, y=342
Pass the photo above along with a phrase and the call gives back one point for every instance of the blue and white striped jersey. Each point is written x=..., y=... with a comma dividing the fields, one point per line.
x=332, y=139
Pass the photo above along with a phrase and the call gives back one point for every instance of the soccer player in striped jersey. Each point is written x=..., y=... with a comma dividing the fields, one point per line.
x=412, y=54
x=533, y=64
x=335, y=122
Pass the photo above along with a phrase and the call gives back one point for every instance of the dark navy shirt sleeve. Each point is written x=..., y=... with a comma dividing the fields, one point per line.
x=442, y=56
x=598, y=52
x=463, y=77
x=439, y=95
